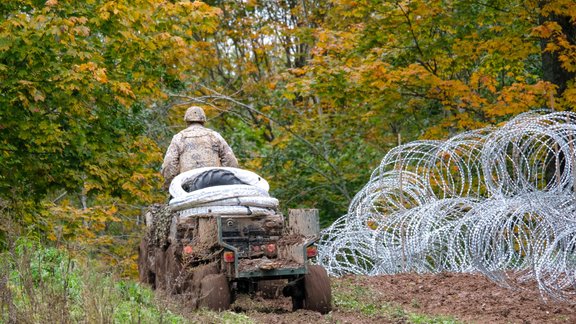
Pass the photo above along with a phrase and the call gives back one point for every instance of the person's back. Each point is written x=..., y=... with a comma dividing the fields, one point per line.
x=196, y=147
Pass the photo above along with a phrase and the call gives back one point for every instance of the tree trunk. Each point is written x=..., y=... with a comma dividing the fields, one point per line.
x=551, y=65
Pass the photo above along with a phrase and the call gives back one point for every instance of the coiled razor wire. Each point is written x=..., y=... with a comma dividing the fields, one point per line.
x=499, y=201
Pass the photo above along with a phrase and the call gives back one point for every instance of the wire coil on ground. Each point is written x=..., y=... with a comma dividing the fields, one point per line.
x=499, y=201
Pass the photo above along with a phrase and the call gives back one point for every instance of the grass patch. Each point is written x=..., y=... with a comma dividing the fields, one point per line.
x=45, y=285
x=41, y=284
x=350, y=297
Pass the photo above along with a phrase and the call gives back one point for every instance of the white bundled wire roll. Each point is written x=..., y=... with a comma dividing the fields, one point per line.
x=248, y=177
x=199, y=197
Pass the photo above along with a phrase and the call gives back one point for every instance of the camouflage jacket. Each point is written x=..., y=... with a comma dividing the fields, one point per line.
x=196, y=147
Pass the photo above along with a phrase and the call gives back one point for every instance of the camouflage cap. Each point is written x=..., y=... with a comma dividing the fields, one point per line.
x=195, y=114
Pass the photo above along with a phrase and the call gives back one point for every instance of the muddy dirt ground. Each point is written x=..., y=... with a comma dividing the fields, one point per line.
x=464, y=297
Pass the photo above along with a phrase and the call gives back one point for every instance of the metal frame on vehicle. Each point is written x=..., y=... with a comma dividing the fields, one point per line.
x=263, y=274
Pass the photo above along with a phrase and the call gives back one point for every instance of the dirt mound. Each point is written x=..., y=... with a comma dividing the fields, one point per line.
x=469, y=297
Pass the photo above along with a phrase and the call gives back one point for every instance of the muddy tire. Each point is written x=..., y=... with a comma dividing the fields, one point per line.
x=215, y=292
x=175, y=283
x=159, y=268
x=317, y=290
x=145, y=274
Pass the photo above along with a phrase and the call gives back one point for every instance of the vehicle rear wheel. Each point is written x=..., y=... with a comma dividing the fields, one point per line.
x=145, y=273
x=317, y=290
x=215, y=292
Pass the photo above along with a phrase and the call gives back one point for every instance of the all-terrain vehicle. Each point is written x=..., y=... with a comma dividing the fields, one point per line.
x=222, y=235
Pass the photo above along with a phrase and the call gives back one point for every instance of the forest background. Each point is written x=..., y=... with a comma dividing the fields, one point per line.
x=309, y=94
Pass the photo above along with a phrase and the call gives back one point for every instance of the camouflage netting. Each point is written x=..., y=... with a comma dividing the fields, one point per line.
x=158, y=218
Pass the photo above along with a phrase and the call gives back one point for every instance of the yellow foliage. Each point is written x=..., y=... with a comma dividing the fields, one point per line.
x=570, y=96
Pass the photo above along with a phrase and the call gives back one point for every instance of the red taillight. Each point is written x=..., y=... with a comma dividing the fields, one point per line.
x=271, y=248
x=187, y=249
x=229, y=256
x=311, y=251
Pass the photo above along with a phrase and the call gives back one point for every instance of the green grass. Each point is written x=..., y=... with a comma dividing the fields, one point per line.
x=41, y=284
x=44, y=284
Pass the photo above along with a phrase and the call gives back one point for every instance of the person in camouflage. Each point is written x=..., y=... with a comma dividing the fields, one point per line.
x=196, y=147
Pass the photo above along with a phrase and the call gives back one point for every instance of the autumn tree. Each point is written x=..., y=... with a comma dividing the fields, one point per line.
x=558, y=32
x=311, y=94
x=446, y=66
x=79, y=83
x=372, y=74
x=260, y=47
